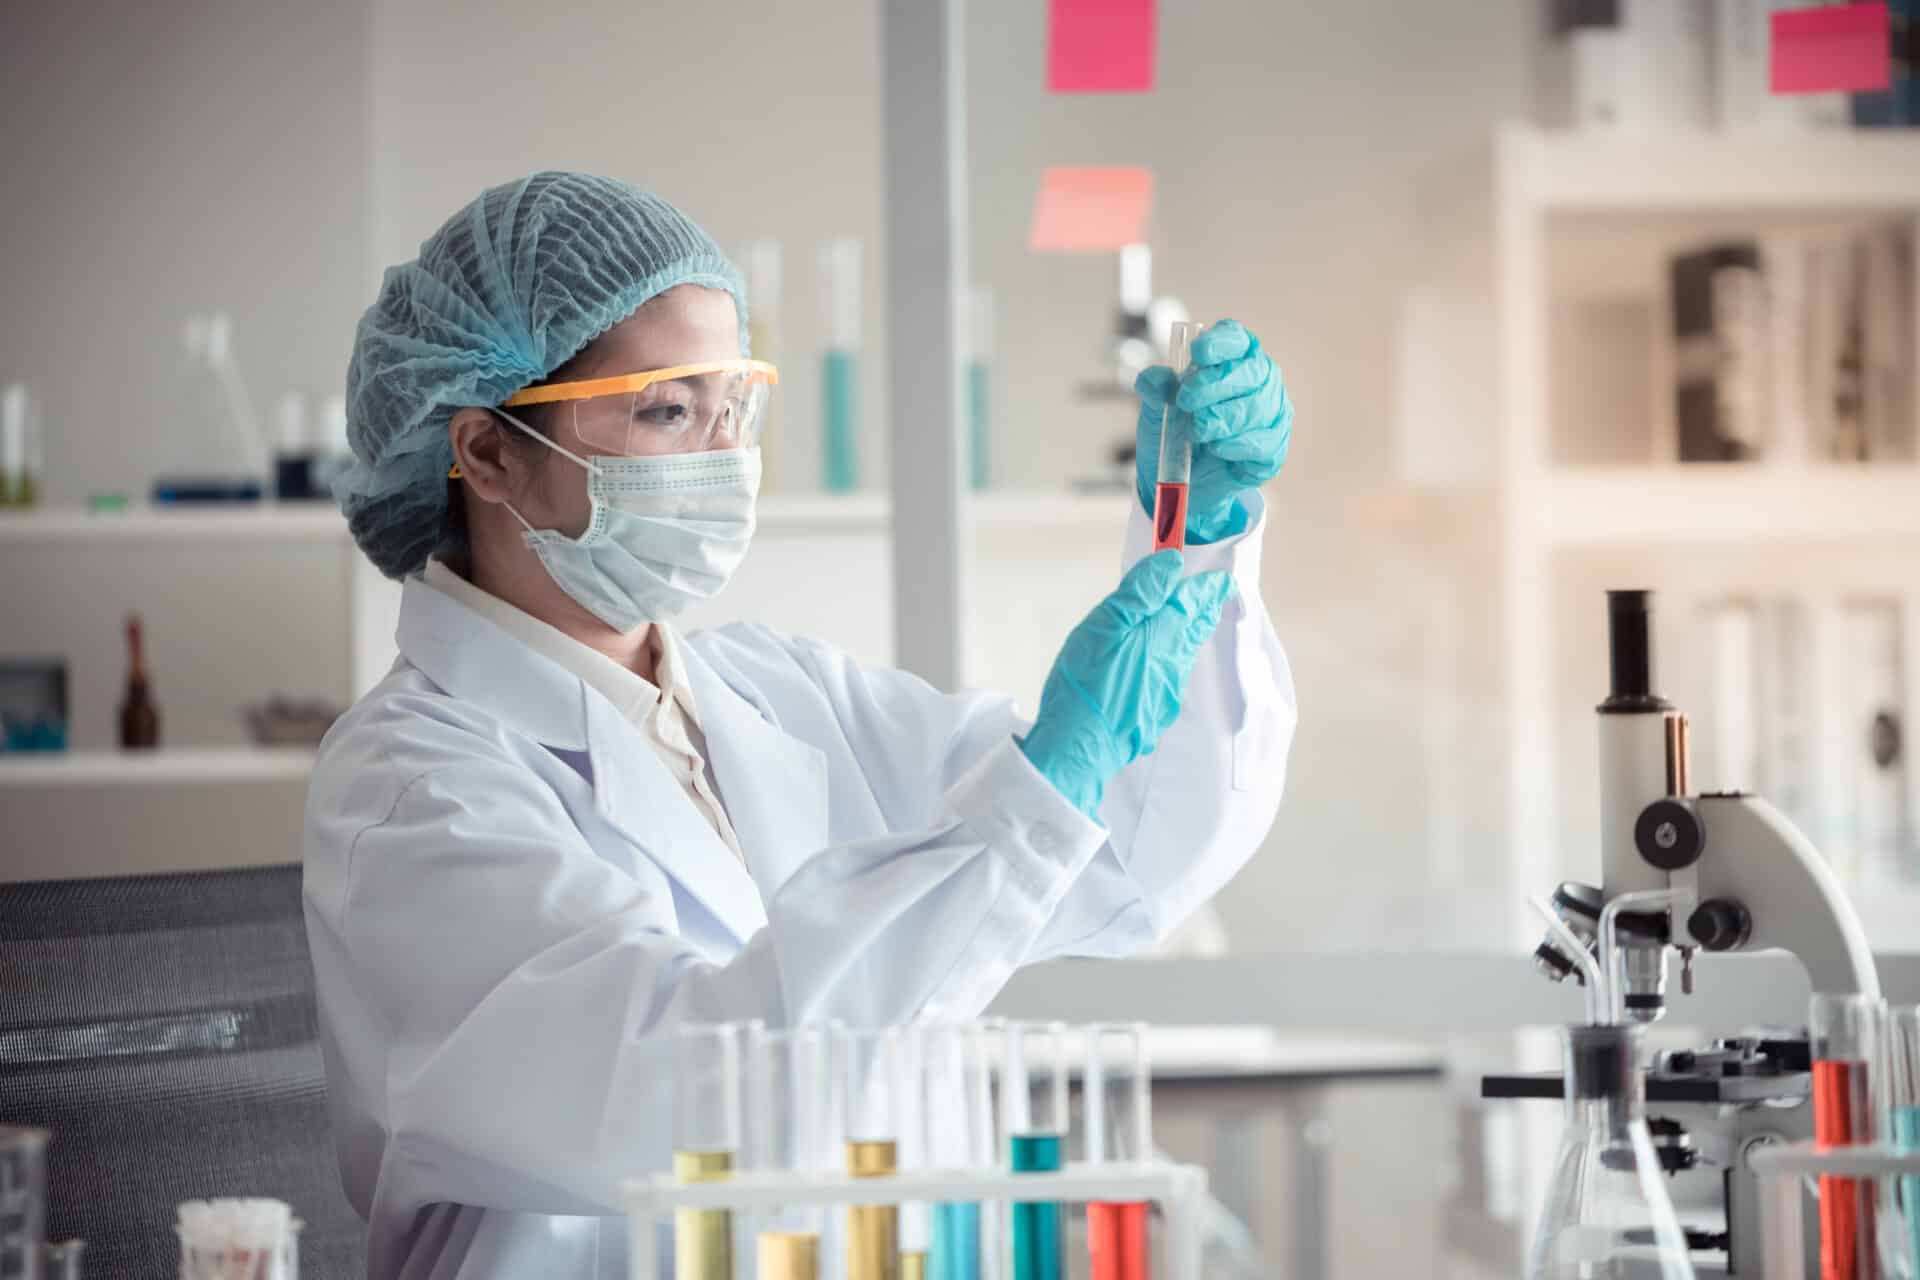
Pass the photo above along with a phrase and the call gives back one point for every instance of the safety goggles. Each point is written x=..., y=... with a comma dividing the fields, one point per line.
x=689, y=408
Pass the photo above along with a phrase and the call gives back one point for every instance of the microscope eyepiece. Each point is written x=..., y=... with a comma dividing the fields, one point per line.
x=1630, y=654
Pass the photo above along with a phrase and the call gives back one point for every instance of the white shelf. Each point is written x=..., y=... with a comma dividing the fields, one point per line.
x=319, y=520
x=1622, y=173
x=780, y=514
x=1708, y=503
x=168, y=766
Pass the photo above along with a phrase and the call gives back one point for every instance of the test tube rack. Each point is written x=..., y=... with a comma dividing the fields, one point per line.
x=1783, y=1167
x=1180, y=1191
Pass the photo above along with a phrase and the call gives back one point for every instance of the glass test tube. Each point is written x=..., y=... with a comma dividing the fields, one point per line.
x=1902, y=1095
x=706, y=1139
x=979, y=383
x=840, y=368
x=791, y=1130
x=1118, y=1123
x=1846, y=1039
x=871, y=1064
x=1034, y=1094
x=1176, y=451
x=957, y=1110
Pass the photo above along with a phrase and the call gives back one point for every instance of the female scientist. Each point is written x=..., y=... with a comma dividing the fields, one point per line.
x=559, y=828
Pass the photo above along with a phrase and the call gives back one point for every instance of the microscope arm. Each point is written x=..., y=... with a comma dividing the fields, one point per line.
x=1756, y=857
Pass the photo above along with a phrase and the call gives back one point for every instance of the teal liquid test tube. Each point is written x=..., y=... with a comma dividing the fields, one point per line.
x=979, y=386
x=840, y=365
x=957, y=1114
x=1903, y=1105
x=1034, y=1096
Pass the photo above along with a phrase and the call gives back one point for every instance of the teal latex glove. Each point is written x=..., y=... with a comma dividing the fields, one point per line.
x=1117, y=682
x=1241, y=420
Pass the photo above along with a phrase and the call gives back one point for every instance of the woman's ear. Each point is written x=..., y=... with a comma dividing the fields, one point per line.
x=494, y=470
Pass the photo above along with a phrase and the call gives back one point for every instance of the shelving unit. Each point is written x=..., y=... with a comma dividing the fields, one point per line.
x=795, y=530
x=1544, y=185
x=165, y=767
x=1736, y=503
x=779, y=515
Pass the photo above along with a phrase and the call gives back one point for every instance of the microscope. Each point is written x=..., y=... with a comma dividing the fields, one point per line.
x=1717, y=872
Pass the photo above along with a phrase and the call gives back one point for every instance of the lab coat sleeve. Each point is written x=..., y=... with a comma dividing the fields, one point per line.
x=523, y=986
x=1183, y=820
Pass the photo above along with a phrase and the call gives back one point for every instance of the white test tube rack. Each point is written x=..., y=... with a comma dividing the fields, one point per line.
x=1782, y=1169
x=1180, y=1191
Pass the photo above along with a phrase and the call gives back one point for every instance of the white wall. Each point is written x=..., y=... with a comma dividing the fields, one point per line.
x=272, y=158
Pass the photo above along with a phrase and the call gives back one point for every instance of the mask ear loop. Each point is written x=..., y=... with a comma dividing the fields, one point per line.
x=557, y=448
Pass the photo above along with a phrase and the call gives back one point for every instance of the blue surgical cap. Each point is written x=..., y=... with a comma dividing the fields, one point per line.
x=510, y=289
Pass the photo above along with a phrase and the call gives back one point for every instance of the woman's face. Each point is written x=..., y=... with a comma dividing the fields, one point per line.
x=689, y=324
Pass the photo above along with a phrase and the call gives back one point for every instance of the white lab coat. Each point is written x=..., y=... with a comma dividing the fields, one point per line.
x=509, y=899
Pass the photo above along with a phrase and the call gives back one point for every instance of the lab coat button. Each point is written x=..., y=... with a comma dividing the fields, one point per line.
x=1043, y=838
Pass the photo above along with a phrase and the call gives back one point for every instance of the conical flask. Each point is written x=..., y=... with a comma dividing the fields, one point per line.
x=1607, y=1215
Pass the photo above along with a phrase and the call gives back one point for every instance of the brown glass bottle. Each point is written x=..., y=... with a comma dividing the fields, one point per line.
x=139, y=717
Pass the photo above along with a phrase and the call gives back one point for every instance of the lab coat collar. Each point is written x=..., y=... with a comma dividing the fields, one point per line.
x=634, y=792
x=773, y=784
x=475, y=661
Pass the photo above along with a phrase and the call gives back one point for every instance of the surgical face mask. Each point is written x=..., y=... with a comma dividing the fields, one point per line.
x=666, y=531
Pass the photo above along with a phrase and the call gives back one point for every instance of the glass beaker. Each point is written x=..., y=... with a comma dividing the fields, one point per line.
x=1608, y=1215
x=706, y=1141
x=23, y=1201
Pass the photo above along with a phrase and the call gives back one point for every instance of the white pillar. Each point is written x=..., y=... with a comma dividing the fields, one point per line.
x=923, y=102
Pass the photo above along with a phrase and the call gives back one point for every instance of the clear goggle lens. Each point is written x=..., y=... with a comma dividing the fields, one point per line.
x=721, y=409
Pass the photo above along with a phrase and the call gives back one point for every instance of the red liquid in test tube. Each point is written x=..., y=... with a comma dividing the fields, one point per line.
x=1176, y=453
x=1118, y=1111
x=1117, y=1241
x=1845, y=1030
x=1846, y=1204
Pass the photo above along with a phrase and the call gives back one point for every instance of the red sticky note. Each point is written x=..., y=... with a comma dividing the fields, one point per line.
x=1842, y=48
x=1090, y=210
x=1100, y=46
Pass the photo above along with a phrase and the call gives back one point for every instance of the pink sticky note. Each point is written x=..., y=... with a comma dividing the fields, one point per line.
x=1100, y=46
x=1832, y=49
x=1090, y=210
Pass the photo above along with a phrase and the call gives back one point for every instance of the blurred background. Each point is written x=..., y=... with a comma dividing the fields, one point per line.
x=1569, y=296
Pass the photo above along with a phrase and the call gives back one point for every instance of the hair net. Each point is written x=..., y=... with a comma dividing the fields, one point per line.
x=510, y=289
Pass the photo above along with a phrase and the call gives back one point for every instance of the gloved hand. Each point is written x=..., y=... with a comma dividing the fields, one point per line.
x=1117, y=683
x=1241, y=420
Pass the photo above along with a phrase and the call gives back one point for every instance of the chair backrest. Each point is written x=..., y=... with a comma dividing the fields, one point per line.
x=163, y=1028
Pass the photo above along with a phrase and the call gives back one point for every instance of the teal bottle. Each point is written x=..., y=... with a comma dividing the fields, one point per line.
x=840, y=424
x=977, y=420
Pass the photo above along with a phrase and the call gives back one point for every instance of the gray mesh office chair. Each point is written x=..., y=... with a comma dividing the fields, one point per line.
x=163, y=1028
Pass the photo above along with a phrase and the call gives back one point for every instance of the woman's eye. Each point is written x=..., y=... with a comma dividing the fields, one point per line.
x=663, y=415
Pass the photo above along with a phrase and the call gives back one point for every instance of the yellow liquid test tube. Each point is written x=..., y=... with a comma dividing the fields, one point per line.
x=789, y=1255
x=702, y=1238
x=873, y=1231
x=913, y=1264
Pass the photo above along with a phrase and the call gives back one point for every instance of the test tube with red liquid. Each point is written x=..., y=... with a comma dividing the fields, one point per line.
x=1176, y=452
x=1119, y=1131
x=1845, y=1030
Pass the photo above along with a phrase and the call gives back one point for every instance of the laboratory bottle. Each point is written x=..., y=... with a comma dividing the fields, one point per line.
x=1608, y=1215
x=139, y=717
